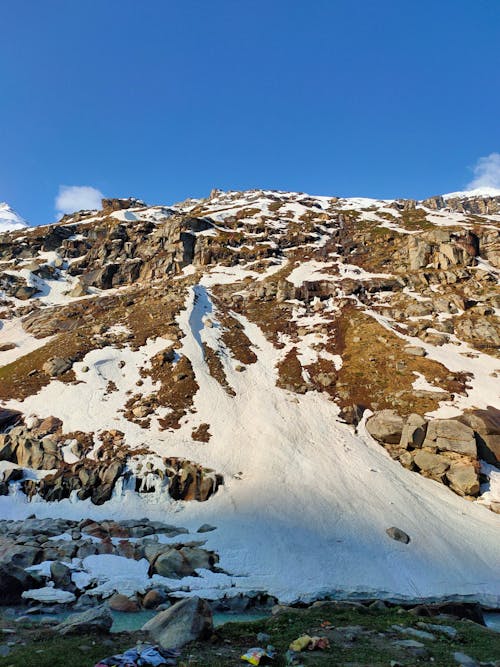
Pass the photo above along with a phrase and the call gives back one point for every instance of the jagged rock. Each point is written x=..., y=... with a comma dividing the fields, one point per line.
x=452, y=436
x=442, y=249
x=385, y=426
x=398, y=535
x=9, y=417
x=483, y=332
x=413, y=433
x=78, y=290
x=191, y=481
x=185, y=621
x=97, y=620
x=463, y=479
x=18, y=447
x=486, y=424
x=111, y=205
x=48, y=426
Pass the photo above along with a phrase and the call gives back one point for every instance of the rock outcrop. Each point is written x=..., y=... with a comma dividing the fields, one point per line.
x=442, y=449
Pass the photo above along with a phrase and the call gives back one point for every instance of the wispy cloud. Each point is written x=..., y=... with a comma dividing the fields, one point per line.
x=73, y=198
x=486, y=172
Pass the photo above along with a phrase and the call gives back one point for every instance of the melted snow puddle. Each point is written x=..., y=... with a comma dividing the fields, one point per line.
x=492, y=620
x=132, y=621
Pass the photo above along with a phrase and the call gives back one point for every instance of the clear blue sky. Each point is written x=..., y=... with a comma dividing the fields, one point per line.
x=163, y=99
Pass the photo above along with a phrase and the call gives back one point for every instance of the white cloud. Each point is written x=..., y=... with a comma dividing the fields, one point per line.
x=73, y=198
x=486, y=172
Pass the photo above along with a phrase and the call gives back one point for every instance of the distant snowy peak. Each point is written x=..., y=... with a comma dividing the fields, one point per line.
x=477, y=192
x=9, y=219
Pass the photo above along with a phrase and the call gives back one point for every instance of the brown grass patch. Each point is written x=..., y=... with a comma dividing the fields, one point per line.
x=377, y=373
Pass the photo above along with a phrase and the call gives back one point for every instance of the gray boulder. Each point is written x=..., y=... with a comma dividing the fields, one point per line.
x=463, y=479
x=452, y=436
x=57, y=366
x=464, y=660
x=13, y=581
x=386, y=426
x=186, y=621
x=61, y=574
x=178, y=563
x=398, y=535
x=486, y=424
x=434, y=465
x=98, y=620
x=414, y=430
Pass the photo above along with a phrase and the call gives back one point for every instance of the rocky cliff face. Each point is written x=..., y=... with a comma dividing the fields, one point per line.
x=138, y=345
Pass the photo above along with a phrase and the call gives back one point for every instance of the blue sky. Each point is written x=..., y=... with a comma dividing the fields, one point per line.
x=167, y=99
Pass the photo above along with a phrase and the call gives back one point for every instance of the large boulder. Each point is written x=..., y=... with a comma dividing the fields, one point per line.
x=13, y=582
x=97, y=620
x=414, y=430
x=152, y=599
x=57, y=366
x=119, y=602
x=486, y=424
x=9, y=417
x=186, y=621
x=386, y=426
x=451, y=435
x=21, y=448
x=432, y=465
x=463, y=479
x=60, y=574
x=177, y=563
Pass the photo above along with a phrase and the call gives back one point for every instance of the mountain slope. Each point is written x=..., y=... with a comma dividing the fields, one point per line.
x=219, y=354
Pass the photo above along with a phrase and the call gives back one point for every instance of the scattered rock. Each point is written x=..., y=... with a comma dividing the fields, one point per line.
x=464, y=660
x=206, y=528
x=415, y=351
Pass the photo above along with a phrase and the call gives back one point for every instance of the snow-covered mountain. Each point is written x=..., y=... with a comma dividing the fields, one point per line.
x=9, y=219
x=303, y=373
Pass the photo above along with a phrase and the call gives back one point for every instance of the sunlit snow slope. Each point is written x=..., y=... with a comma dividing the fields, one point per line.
x=306, y=498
